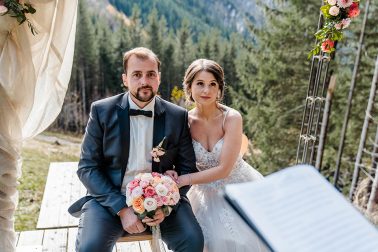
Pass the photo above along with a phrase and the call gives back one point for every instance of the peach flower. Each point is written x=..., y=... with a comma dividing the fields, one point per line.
x=138, y=205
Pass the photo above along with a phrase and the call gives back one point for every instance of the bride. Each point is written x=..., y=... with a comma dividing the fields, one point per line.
x=216, y=131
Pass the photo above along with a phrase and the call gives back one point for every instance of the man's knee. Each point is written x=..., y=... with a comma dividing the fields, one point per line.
x=195, y=240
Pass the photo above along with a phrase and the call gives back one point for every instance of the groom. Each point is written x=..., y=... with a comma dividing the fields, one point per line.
x=120, y=134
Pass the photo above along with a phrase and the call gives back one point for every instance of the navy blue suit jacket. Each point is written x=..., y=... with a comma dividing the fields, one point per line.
x=105, y=149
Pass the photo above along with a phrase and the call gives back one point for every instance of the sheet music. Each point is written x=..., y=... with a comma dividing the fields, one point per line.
x=296, y=209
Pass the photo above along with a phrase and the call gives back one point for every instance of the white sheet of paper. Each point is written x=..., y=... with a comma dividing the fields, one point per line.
x=296, y=209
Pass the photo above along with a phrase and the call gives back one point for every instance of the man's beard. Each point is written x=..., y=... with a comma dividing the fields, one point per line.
x=141, y=98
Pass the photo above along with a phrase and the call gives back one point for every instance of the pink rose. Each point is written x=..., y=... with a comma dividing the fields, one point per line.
x=354, y=10
x=149, y=191
x=156, y=174
x=345, y=22
x=344, y=3
x=334, y=11
x=165, y=200
x=3, y=10
x=144, y=183
x=327, y=45
x=133, y=183
x=159, y=202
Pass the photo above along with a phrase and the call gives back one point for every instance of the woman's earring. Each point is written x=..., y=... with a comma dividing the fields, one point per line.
x=190, y=96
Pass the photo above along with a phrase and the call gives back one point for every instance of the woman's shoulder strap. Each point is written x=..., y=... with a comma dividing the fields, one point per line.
x=225, y=113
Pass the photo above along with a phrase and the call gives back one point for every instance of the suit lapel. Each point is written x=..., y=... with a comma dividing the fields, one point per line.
x=159, y=128
x=124, y=129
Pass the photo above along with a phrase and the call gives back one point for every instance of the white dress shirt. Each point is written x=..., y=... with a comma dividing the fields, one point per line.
x=141, y=137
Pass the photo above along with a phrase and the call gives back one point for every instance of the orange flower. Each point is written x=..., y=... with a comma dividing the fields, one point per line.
x=138, y=205
x=327, y=46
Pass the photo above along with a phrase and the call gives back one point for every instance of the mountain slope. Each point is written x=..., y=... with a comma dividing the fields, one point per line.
x=226, y=15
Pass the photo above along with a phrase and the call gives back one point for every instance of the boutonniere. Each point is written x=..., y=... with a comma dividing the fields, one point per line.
x=158, y=151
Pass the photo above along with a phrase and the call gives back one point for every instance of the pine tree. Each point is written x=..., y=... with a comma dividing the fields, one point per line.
x=168, y=68
x=273, y=76
x=185, y=52
x=76, y=106
x=136, y=30
x=345, y=58
x=154, y=33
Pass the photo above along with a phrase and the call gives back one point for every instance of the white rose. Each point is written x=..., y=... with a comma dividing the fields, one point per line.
x=128, y=192
x=161, y=190
x=146, y=177
x=332, y=2
x=129, y=201
x=334, y=11
x=137, y=191
x=150, y=204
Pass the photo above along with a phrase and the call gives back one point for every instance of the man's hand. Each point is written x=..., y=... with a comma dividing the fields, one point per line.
x=156, y=220
x=130, y=221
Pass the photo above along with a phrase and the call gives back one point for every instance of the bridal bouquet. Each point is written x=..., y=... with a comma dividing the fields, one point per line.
x=148, y=192
x=337, y=16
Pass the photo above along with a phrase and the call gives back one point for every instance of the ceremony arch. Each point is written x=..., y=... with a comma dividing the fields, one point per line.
x=315, y=118
x=35, y=71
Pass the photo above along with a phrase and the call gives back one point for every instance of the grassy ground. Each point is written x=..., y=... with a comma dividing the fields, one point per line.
x=37, y=155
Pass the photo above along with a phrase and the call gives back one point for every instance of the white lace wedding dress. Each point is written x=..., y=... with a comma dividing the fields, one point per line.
x=222, y=227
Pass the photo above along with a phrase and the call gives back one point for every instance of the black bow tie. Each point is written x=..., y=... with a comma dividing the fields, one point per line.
x=135, y=112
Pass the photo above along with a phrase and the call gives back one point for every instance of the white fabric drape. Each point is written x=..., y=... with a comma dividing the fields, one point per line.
x=34, y=75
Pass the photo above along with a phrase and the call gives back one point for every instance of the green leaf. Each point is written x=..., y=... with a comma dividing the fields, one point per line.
x=325, y=10
x=141, y=216
x=150, y=214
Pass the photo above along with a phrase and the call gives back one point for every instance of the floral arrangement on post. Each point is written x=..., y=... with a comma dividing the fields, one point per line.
x=337, y=16
x=18, y=11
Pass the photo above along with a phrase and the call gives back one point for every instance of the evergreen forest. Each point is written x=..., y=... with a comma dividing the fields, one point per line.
x=265, y=62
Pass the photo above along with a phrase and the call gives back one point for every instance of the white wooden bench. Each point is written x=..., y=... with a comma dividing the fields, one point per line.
x=63, y=240
x=63, y=187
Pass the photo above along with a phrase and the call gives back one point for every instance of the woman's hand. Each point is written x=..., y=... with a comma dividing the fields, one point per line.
x=184, y=180
x=173, y=174
x=156, y=220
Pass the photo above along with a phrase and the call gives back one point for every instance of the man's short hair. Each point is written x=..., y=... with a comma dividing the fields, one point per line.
x=141, y=53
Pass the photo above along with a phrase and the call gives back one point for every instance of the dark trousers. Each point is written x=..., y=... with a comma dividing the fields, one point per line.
x=99, y=230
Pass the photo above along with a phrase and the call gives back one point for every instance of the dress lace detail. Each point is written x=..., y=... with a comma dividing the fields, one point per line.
x=223, y=229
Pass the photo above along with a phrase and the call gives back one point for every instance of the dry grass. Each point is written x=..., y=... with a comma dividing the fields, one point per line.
x=37, y=155
x=361, y=198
